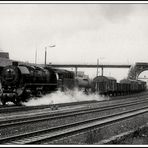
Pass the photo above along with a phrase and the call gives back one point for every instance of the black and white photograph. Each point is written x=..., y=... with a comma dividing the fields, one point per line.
x=73, y=73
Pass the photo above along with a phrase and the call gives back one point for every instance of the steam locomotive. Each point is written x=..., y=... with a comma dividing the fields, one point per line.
x=20, y=82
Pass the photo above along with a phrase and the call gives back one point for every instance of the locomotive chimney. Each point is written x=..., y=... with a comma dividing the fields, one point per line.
x=15, y=63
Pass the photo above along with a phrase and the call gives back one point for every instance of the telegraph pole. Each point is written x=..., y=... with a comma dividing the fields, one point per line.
x=97, y=66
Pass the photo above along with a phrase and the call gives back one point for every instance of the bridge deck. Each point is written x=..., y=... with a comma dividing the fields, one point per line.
x=90, y=65
x=4, y=62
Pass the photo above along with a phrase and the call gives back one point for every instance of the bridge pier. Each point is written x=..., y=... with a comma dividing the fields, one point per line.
x=102, y=70
x=76, y=70
x=136, y=69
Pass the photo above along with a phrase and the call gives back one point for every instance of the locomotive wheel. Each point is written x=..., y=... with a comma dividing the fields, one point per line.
x=39, y=94
x=18, y=103
x=3, y=101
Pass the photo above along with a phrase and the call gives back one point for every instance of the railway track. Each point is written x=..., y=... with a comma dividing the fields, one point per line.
x=44, y=113
x=23, y=138
x=13, y=109
x=58, y=132
x=10, y=109
x=66, y=113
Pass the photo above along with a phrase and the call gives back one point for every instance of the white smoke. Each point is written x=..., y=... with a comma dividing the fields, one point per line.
x=64, y=97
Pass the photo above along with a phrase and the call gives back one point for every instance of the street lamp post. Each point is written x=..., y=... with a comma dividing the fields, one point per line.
x=46, y=52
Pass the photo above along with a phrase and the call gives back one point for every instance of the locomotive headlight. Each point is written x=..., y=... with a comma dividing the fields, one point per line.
x=8, y=74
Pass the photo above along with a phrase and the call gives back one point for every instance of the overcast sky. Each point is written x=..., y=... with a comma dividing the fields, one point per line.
x=115, y=33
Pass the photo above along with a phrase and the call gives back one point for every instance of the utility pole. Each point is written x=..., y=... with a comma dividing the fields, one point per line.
x=45, y=55
x=97, y=66
x=36, y=56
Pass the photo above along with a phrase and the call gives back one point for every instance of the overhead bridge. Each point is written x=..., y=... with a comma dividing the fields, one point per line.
x=76, y=66
x=134, y=70
x=4, y=62
x=90, y=65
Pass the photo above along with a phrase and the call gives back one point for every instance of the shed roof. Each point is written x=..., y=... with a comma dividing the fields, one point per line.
x=127, y=81
x=130, y=81
x=104, y=78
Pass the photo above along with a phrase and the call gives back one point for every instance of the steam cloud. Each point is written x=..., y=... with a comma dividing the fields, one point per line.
x=64, y=97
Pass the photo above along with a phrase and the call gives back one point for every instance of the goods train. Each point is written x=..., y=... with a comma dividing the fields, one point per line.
x=109, y=86
x=20, y=82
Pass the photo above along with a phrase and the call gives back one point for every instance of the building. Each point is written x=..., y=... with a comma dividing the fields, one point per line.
x=4, y=55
